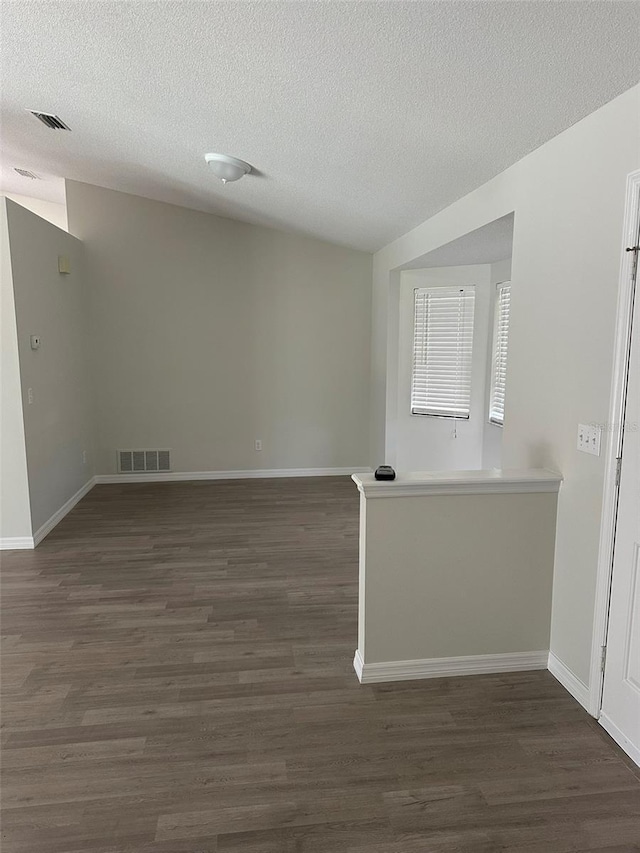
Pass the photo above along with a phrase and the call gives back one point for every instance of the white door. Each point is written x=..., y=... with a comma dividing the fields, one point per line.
x=620, y=713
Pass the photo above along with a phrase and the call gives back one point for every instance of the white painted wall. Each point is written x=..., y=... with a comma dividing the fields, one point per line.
x=53, y=212
x=58, y=425
x=568, y=197
x=567, y=250
x=427, y=443
x=492, y=436
x=15, y=515
x=210, y=333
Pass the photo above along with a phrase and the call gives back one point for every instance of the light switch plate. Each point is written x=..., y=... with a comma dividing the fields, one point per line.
x=35, y=341
x=589, y=438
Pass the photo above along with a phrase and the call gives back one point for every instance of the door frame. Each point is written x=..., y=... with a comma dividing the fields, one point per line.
x=614, y=445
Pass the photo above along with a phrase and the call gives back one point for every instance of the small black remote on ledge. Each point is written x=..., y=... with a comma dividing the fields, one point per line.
x=385, y=472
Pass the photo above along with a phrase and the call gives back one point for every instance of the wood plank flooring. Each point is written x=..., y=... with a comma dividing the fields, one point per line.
x=177, y=678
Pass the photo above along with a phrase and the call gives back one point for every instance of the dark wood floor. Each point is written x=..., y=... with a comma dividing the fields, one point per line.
x=177, y=678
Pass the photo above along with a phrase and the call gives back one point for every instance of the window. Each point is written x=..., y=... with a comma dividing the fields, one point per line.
x=442, y=345
x=499, y=357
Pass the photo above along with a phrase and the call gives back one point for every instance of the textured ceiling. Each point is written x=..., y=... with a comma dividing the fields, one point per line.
x=363, y=118
x=486, y=245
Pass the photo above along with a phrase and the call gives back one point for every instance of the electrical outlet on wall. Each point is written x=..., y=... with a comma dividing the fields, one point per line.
x=29, y=396
x=84, y=457
x=589, y=438
x=258, y=444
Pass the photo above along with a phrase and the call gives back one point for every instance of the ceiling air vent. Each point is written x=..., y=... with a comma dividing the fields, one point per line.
x=26, y=173
x=143, y=461
x=53, y=122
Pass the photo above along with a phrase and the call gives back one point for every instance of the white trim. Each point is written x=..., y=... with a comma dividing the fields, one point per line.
x=21, y=543
x=259, y=473
x=569, y=680
x=489, y=482
x=623, y=742
x=605, y=551
x=66, y=507
x=16, y=543
x=358, y=665
x=407, y=670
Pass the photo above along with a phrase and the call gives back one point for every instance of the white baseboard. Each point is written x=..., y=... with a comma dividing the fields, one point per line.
x=569, y=680
x=57, y=516
x=358, y=665
x=623, y=742
x=21, y=543
x=406, y=670
x=66, y=507
x=258, y=473
x=16, y=543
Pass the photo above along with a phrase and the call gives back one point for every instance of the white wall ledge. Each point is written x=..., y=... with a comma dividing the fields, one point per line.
x=494, y=481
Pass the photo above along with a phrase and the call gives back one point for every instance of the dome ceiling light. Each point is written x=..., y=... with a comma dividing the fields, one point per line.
x=227, y=168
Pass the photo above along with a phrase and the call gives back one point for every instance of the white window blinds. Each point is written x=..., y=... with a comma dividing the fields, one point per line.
x=500, y=347
x=442, y=349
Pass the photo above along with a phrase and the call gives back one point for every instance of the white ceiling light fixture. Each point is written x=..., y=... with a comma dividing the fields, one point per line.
x=227, y=168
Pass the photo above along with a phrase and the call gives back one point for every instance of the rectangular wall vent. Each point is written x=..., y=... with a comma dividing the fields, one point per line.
x=143, y=461
x=26, y=173
x=51, y=121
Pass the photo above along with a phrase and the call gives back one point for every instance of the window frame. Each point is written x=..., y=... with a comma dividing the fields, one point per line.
x=495, y=343
x=445, y=291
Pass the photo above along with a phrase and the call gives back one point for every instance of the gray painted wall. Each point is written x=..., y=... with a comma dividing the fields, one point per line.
x=15, y=515
x=456, y=575
x=58, y=425
x=210, y=333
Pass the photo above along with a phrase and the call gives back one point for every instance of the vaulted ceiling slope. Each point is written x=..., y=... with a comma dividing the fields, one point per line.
x=362, y=118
